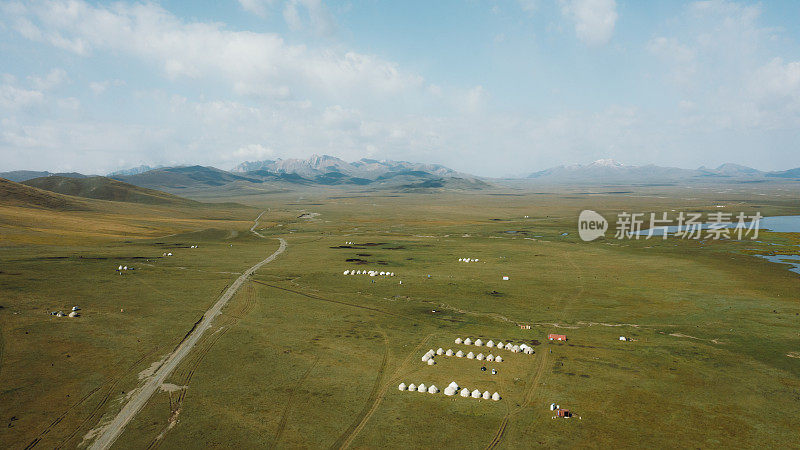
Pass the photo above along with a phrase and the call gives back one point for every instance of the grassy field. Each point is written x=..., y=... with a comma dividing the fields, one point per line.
x=304, y=356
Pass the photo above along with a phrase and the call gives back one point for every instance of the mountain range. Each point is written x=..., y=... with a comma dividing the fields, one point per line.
x=610, y=171
x=283, y=174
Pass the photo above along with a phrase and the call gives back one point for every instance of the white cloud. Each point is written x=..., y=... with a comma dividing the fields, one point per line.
x=258, y=7
x=15, y=98
x=52, y=80
x=251, y=152
x=260, y=63
x=309, y=14
x=594, y=19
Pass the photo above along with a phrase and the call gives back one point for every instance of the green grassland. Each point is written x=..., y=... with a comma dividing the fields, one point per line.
x=304, y=356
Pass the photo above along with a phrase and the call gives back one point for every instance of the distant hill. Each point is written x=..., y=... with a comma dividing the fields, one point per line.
x=792, y=173
x=610, y=171
x=24, y=175
x=103, y=188
x=177, y=178
x=18, y=194
x=297, y=173
x=369, y=169
x=133, y=170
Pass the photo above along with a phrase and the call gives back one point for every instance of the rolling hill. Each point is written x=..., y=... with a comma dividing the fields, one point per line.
x=102, y=188
x=18, y=194
x=177, y=178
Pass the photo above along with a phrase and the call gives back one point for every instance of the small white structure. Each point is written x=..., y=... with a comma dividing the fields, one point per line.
x=478, y=342
x=467, y=341
x=453, y=385
x=476, y=394
x=623, y=338
x=486, y=395
x=73, y=314
x=120, y=267
x=75, y=308
x=490, y=357
x=422, y=388
x=499, y=344
x=509, y=346
x=431, y=362
x=169, y=254
x=479, y=356
x=498, y=358
x=495, y=396
x=490, y=344
x=426, y=357
x=465, y=392
x=515, y=349
x=440, y=351
x=449, y=352
x=346, y=272
x=552, y=406
x=470, y=355
x=505, y=278
x=382, y=273
x=459, y=354
x=433, y=389
x=458, y=340
x=450, y=391
x=402, y=387
x=412, y=387
x=528, y=351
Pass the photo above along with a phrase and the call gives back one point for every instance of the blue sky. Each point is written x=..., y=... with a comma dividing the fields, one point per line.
x=489, y=87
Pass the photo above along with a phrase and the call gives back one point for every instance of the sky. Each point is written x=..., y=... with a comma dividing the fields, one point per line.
x=492, y=88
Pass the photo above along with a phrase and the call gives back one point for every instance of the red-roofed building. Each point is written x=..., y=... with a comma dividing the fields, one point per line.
x=557, y=337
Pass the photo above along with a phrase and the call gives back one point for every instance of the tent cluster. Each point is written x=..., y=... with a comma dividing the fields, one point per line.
x=470, y=355
x=122, y=268
x=371, y=273
x=193, y=246
x=170, y=253
x=74, y=313
x=432, y=389
x=468, y=260
x=428, y=357
x=451, y=390
x=522, y=348
x=348, y=243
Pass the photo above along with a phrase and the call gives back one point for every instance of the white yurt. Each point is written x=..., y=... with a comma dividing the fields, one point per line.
x=499, y=344
x=495, y=396
x=382, y=273
x=73, y=314
x=391, y=274
x=509, y=346
x=470, y=355
x=372, y=274
x=422, y=388
x=449, y=391
x=498, y=358
x=490, y=344
x=433, y=390
x=528, y=351
x=467, y=341
x=449, y=352
x=479, y=356
x=431, y=362
x=458, y=340
x=402, y=387
x=523, y=346
x=453, y=385
x=412, y=387
x=486, y=395
x=515, y=349
x=478, y=342
x=426, y=357
x=440, y=351
x=476, y=394
x=465, y=392
x=490, y=357
x=119, y=268
x=459, y=354
x=346, y=272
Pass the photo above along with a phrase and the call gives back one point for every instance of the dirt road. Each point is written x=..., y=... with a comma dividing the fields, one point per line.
x=111, y=432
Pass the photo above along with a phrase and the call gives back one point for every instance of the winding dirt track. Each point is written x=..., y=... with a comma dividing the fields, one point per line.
x=112, y=431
